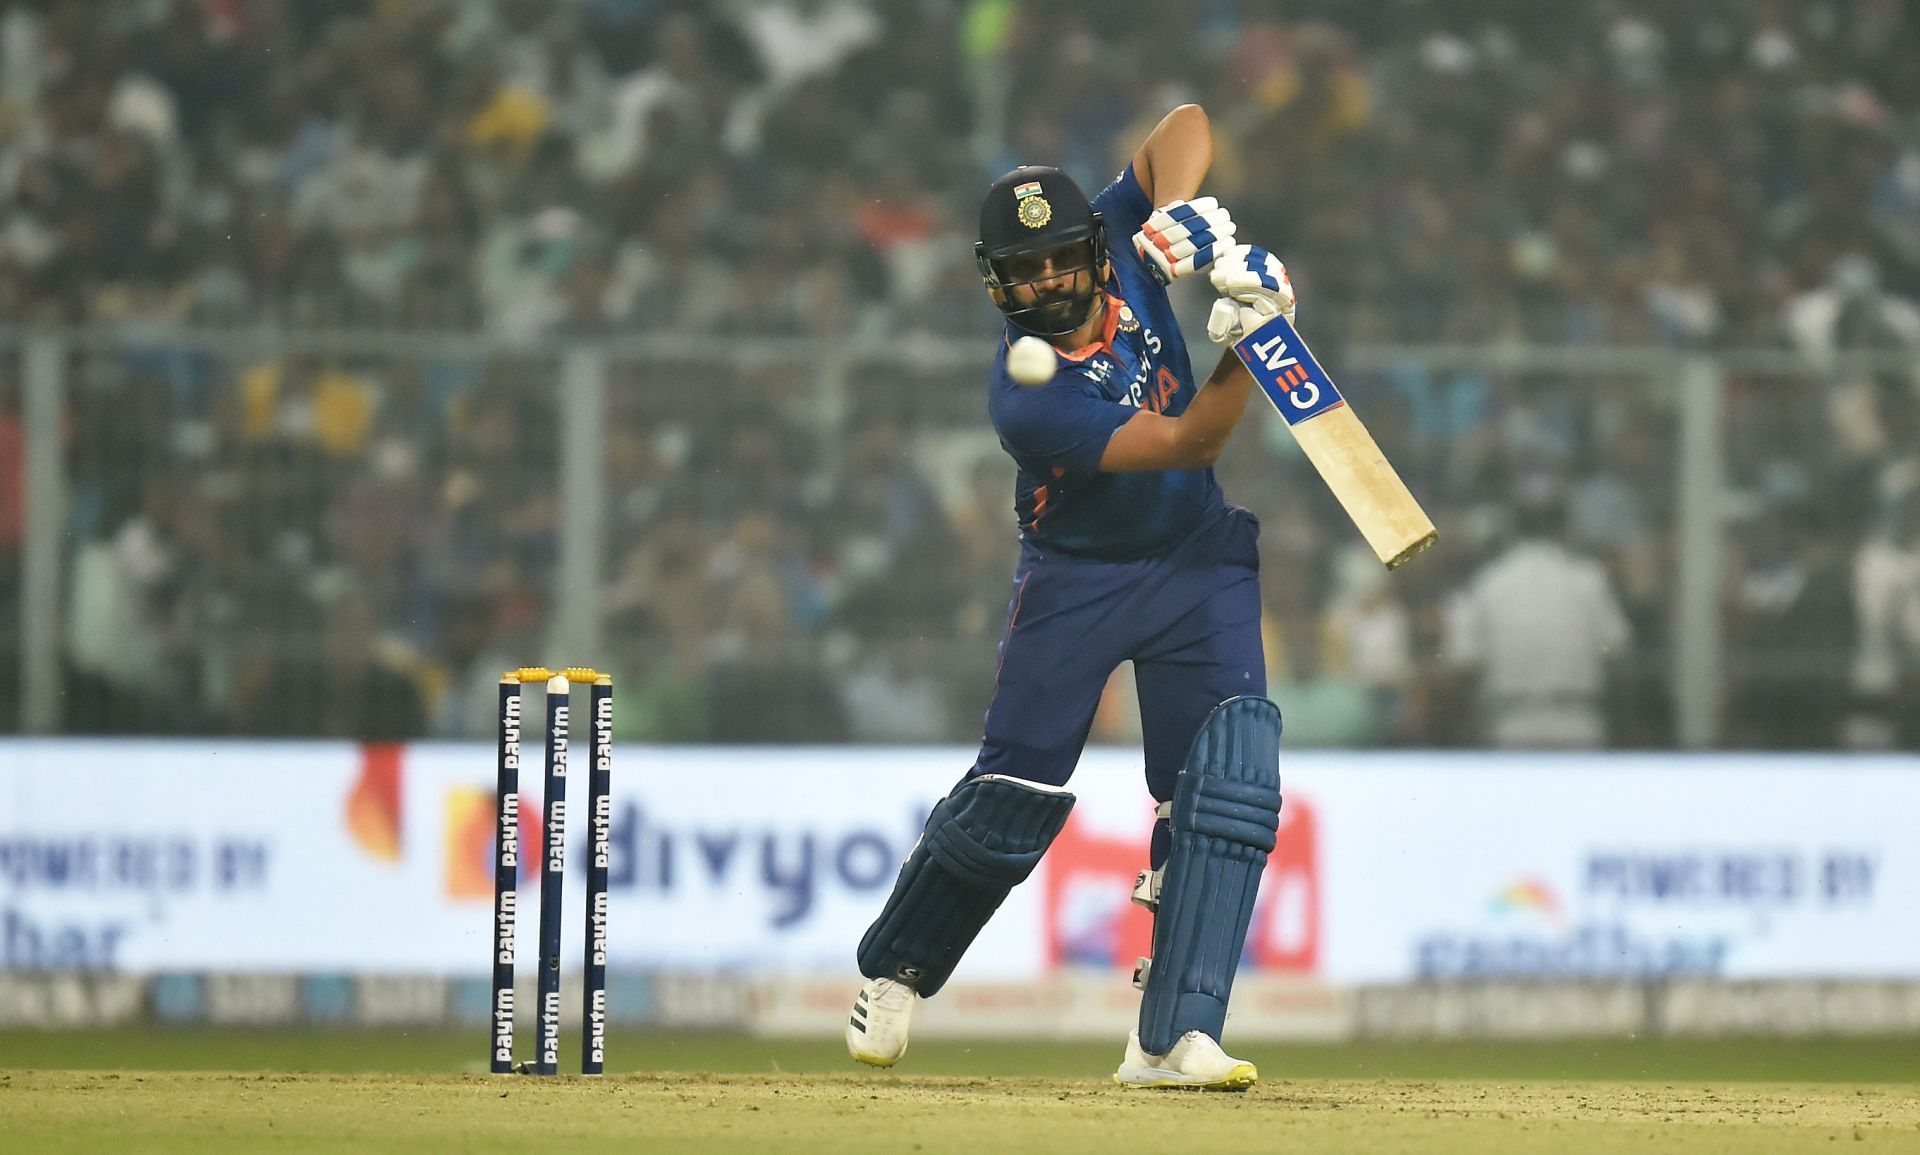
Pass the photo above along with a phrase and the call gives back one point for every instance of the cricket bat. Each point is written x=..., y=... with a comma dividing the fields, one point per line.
x=1338, y=445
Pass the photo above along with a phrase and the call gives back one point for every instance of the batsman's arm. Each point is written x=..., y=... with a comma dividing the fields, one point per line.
x=1175, y=157
x=1193, y=440
x=1333, y=439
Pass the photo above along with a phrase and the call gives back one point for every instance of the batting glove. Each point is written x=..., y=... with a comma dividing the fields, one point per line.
x=1230, y=321
x=1182, y=237
x=1253, y=287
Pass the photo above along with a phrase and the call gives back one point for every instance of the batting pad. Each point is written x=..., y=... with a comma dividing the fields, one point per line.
x=980, y=842
x=1226, y=808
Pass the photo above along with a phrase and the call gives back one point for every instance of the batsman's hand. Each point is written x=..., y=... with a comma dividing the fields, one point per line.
x=1253, y=287
x=1182, y=237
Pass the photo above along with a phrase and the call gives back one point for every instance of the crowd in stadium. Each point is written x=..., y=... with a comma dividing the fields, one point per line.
x=357, y=546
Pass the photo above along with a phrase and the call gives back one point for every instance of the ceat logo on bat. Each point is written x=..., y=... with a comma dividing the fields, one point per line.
x=1091, y=919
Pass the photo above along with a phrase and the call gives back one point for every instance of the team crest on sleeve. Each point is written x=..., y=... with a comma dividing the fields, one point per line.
x=1030, y=207
x=1128, y=322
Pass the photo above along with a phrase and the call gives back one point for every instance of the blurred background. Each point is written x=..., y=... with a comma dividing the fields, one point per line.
x=354, y=351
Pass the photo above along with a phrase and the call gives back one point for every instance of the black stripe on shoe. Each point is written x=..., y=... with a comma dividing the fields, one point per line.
x=861, y=1011
x=857, y=1025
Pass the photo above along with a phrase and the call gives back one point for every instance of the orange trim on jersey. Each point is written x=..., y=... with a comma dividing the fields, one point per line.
x=1106, y=336
x=1039, y=505
x=1012, y=619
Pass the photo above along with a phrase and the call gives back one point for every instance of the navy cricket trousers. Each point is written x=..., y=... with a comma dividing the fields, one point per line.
x=1188, y=619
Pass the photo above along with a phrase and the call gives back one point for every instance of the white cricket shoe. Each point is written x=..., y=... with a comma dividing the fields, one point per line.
x=877, y=1030
x=1196, y=1063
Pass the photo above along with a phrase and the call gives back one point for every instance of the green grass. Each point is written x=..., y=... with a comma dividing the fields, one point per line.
x=212, y=1092
x=212, y=1114
x=1878, y=1060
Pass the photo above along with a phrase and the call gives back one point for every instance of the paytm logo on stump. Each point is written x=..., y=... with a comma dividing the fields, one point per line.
x=470, y=841
x=785, y=869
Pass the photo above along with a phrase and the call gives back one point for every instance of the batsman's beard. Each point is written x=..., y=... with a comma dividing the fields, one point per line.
x=1056, y=314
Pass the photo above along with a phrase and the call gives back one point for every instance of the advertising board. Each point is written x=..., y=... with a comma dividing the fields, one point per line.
x=150, y=857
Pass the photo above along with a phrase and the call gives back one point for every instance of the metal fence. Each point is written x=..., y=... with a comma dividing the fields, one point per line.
x=351, y=534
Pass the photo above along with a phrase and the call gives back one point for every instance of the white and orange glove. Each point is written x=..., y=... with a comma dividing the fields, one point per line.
x=1183, y=237
x=1253, y=287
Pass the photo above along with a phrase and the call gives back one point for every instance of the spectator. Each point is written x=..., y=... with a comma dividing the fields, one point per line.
x=1851, y=313
x=1538, y=625
x=351, y=686
x=1791, y=635
x=1886, y=590
x=1371, y=638
x=710, y=176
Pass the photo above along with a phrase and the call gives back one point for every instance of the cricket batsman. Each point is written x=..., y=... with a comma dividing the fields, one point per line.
x=1129, y=552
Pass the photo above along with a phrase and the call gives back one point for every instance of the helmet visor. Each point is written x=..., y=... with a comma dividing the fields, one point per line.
x=1048, y=292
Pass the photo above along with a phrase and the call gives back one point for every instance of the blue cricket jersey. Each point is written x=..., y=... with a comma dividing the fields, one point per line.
x=1056, y=432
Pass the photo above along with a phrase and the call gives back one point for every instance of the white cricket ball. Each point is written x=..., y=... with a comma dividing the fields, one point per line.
x=1031, y=361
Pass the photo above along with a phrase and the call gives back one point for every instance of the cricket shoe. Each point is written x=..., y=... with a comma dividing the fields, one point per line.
x=877, y=1030
x=1196, y=1063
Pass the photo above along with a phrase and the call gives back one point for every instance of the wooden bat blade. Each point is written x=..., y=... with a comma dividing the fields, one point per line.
x=1365, y=482
x=1337, y=444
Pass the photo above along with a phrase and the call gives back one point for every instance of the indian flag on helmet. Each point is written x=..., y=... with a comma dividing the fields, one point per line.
x=1029, y=189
